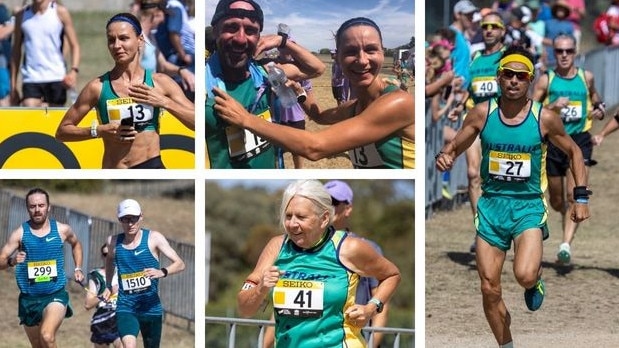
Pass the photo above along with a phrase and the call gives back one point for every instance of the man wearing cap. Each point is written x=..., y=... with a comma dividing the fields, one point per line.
x=569, y=91
x=232, y=72
x=36, y=250
x=464, y=11
x=135, y=254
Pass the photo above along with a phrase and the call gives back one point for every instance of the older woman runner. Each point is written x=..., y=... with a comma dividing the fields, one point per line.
x=311, y=273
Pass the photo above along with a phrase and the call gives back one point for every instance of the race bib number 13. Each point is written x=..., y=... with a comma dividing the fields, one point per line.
x=122, y=108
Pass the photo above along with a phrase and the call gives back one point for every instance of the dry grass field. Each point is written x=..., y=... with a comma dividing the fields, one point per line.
x=580, y=309
x=174, y=218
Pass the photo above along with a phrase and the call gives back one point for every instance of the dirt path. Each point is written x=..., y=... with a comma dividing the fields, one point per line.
x=581, y=303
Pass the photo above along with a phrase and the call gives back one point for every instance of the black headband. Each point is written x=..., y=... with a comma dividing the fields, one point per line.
x=357, y=21
x=223, y=11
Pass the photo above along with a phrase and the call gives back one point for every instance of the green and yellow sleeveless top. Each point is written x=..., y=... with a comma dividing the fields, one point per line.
x=229, y=146
x=311, y=297
x=513, y=156
x=392, y=152
x=575, y=114
x=112, y=108
x=483, y=70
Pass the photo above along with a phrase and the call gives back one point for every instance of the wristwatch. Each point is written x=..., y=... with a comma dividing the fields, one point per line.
x=378, y=303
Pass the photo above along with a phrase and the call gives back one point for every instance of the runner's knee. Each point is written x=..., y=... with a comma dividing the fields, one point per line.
x=491, y=292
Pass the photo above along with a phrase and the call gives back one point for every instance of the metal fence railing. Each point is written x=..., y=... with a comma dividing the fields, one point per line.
x=177, y=292
x=399, y=334
x=601, y=62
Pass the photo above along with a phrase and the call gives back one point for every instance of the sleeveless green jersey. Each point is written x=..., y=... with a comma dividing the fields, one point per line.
x=311, y=297
x=483, y=70
x=393, y=152
x=112, y=107
x=574, y=115
x=229, y=146
x=513, y=156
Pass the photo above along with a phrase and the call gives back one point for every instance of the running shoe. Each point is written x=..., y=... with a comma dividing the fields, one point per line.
x=564, y=255
x=534, y=296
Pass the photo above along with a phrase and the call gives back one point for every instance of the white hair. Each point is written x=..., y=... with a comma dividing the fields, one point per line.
x=312, y=190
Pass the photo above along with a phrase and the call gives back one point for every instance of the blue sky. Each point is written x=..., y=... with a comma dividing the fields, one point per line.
x=312, y=22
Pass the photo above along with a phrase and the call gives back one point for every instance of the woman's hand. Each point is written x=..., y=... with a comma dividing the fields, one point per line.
x=359, y=315
x=270, y=276
x=144, y=94
x=116, y=132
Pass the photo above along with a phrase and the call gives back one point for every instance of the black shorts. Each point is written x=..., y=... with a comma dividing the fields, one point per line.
x=53, y=93
x=153, y=163
x=557, y=162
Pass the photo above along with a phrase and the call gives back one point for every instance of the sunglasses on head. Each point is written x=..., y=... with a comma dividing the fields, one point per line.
x=521, y=75
x=129, y=219
x=568, y=51
x=491, y=26
x=335, y=202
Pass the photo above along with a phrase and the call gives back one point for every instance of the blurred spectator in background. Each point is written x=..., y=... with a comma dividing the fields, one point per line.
x=151, y=15
x=558, y=24
x=6, y=29
x=339, y=84
x=464, y=11
x=41, y=28
x=538, y=27
x=577, y=13
x=176, y=40
x=474, y=35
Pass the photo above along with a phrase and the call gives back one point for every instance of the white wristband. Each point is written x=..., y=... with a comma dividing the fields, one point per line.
x=78, y=269
x=93, y=129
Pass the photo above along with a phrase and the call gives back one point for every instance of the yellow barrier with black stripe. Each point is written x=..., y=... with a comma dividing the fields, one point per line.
x=27, y=142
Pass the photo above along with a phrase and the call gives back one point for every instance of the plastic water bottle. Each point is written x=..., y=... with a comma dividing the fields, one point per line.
x=278, y=79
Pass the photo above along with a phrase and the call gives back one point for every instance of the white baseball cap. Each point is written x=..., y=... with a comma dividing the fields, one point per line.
x=464, y=6
x=129, y=207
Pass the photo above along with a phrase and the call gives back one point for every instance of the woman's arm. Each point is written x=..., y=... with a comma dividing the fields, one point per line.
x=389, y=114
x=360, y=257
x=260, y=281
x=86, y=100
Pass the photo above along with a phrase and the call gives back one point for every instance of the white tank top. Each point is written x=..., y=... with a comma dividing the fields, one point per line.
x=43, y=39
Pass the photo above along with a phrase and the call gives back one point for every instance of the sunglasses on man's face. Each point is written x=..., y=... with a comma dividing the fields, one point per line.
x=568, y=51
x=491, y=26
x=510, y=73
x=129, y=219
